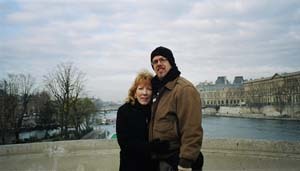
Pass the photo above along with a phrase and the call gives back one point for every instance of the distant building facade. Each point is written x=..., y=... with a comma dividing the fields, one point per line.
x=222, y=93
x=279, y=90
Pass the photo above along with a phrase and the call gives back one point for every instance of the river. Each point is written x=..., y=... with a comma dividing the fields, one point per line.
x=218, y=127
x=243, y=128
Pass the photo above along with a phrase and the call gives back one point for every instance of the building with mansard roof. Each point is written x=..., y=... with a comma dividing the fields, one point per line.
x=282, y=90
x=222, y=93
x=279, y=90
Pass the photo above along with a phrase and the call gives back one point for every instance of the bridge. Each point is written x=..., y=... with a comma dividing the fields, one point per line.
x=107, y=109
x=103, y=155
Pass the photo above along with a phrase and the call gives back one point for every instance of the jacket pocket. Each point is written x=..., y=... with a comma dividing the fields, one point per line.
x=166, y=128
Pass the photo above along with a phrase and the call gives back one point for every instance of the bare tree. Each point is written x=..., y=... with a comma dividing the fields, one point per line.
x=65, y=84
x=83, y=112
x=9, y=105
x=26, y=85
x=3, y=111
x=43, y=105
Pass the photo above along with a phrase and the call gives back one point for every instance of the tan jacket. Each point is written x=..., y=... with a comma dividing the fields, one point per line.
x=178, y=112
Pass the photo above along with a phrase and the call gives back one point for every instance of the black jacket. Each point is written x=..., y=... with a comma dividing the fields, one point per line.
x=132, y=135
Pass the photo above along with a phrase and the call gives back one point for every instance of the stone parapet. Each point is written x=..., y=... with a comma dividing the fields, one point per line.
x=274, y=149
x=85, y=155
x=58, y=147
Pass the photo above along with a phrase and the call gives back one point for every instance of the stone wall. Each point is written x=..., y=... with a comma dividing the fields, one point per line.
x=103, y=155
x=255, y=112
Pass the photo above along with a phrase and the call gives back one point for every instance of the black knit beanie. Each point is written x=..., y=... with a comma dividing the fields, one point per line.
x=165, y=52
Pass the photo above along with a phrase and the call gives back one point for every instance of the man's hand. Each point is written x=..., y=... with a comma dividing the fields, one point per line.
x=183, y=169
x=184, y=165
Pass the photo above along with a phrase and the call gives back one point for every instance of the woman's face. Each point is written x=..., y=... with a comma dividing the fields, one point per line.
x=143, y=93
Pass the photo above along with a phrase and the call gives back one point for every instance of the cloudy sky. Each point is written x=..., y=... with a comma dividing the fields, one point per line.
x=110, y=41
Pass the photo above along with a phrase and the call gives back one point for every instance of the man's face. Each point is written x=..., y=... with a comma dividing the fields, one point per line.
x=161, y=66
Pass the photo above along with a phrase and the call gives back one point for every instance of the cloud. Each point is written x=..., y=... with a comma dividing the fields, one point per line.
x=111, y=41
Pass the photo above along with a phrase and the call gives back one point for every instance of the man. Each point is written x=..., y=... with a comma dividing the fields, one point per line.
x=176, y=115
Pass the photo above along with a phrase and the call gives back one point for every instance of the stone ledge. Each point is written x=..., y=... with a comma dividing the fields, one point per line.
x=85, y=155
x=58, y=146
x=252, y=145
x=240, y=145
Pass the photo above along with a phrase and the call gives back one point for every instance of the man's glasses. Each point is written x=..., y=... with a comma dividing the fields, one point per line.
x=161, y=60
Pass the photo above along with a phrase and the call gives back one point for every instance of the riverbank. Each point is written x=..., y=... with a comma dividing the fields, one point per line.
x=246, y=112
x=251, y=116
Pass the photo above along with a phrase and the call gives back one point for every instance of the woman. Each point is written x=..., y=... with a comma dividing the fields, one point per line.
x=132, y=125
